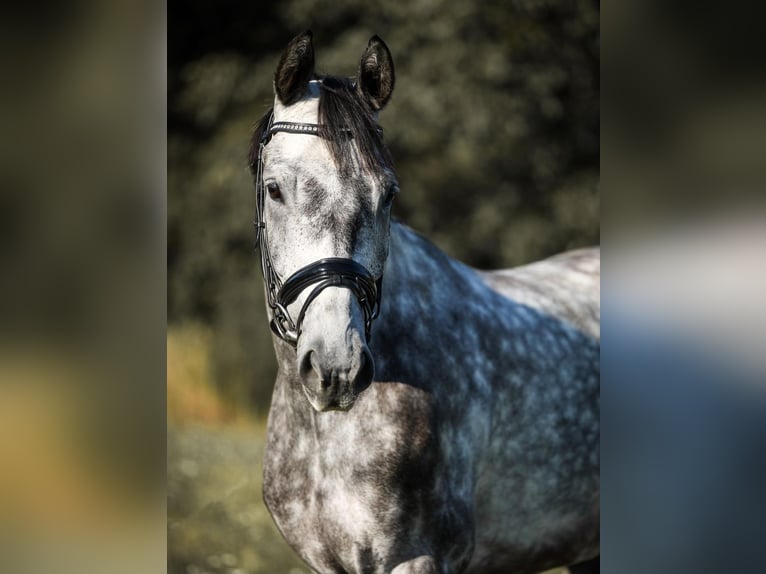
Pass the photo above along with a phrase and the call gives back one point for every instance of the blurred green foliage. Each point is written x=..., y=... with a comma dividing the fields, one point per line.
x=494, y=127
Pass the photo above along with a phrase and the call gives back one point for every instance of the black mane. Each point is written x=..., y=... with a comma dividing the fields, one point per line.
x=346, y=126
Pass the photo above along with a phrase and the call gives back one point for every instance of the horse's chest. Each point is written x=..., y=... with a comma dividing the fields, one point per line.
x=339, y=514
x=323, y=513
x=348, y=488
x=320, y=483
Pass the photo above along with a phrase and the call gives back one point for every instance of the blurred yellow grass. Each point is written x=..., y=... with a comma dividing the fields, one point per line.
x=42, y=480
x=57, y=495
x=191, y=393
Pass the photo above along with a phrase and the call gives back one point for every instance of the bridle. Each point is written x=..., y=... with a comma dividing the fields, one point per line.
x=329, y=272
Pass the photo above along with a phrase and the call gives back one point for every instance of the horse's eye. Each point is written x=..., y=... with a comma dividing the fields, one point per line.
x=273, y=189
x=391, y=192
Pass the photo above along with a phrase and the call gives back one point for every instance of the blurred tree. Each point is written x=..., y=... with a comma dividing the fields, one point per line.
x=494, y=126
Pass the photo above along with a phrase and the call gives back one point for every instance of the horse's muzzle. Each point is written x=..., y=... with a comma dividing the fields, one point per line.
x=333, y=387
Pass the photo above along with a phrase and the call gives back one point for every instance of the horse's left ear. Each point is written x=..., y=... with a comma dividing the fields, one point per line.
x=375, y=81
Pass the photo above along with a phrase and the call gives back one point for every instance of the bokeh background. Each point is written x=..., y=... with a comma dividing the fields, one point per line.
x=494, y=128
x=83, y=338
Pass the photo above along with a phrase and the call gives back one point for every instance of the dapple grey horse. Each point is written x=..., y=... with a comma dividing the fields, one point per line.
x=427, y=417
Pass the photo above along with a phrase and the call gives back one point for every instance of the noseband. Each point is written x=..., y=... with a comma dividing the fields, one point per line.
x=329, y=272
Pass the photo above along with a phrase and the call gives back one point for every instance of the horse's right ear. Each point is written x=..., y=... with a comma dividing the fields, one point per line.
x=295, y=69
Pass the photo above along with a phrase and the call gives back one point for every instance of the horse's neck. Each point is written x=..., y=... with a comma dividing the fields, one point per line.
x=430, y=303
x=418, y=274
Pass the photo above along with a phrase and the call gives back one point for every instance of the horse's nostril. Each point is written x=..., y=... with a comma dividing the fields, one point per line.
x=307, y=365
x=365, y=373
x=311, y=371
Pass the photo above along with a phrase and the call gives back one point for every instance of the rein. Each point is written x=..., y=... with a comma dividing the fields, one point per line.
x=329, y=272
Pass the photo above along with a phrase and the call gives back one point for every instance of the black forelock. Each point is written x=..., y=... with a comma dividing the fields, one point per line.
x=345, y=124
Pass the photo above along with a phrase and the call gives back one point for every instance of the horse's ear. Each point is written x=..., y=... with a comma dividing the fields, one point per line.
x=295, y=69
x=375, y=81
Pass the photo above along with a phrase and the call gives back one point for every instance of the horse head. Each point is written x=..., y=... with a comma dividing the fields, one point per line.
x=325, y=183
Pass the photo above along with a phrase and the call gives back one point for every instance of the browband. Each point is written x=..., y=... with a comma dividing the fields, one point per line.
x=298, y=128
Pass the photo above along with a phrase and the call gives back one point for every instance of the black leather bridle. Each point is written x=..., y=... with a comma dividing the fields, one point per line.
x=329, y=272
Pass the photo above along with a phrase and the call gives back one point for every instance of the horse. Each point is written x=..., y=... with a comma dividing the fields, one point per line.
x=426, y=417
